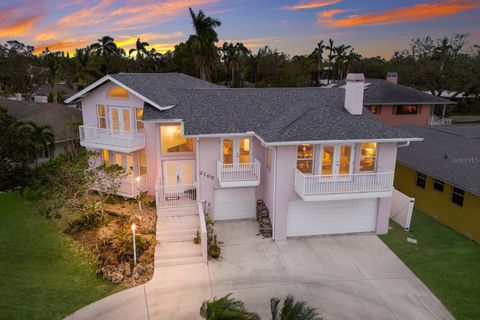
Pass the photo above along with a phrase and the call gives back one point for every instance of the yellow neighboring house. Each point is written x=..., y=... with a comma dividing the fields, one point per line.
x=442, y=173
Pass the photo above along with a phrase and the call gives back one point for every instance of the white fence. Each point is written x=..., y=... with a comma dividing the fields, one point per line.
x=402, y=209
x=129, y=186
x=344, y=183
x=176, y=196
x=238, y=171
x=124, y=139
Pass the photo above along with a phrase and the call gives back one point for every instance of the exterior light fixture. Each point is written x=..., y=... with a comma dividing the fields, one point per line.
x=134, y=245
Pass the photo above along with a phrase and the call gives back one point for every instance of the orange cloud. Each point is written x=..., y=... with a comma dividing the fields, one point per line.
x=312, y=4
x=68, y=46
x=419, y=12
x=19, y=27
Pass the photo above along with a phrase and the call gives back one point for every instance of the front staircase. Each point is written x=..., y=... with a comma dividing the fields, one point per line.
x=176, y=229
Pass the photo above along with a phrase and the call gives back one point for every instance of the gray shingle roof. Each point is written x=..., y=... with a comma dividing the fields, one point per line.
x=52, y=114
x=448, y=153
x=380, y=91
x=275, y=114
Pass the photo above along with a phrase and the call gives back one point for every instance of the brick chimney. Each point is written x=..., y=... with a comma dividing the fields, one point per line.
x=354, y=87
x=392, y=77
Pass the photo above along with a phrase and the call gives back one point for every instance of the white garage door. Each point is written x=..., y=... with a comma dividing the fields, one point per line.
x=235, y=203
x=331, y=217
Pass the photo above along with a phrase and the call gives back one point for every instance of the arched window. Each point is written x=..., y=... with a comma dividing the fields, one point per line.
x=117, y=92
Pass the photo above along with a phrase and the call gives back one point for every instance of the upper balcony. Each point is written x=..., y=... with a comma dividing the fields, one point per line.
x=344, y=186
x=122, y=141
x=239, y=174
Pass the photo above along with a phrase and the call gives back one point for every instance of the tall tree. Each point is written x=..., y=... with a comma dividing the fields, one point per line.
x=317, y=56
x=203, y=41
x=106, y=48
x=140, y=49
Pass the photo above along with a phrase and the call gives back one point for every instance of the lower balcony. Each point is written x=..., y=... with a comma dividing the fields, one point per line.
x=129, y=187
x=239, y=174
x=116, y=140
x=344, y=186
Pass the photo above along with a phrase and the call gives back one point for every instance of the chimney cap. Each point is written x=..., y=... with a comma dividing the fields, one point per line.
x=355, y=77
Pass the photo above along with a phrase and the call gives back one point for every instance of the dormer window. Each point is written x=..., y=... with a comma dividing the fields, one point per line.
x=117, y=92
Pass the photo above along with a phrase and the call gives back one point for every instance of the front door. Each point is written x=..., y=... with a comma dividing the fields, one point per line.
x=178, y=175
x=120, y=121
x=236, y=151
x=336, y=160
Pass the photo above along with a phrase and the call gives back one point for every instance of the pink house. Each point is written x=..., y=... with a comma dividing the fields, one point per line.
x=395, y=104
x=321, y=162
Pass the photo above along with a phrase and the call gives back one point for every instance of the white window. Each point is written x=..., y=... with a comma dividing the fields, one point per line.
x=142, y=163
x=172, y=139
x=305, y=158
x=368, y=157
x=139, y=117
x=117, y=92
x=269, y=158
x=101, y=116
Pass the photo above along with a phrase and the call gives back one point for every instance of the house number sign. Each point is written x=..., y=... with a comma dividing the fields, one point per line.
x=207, y=175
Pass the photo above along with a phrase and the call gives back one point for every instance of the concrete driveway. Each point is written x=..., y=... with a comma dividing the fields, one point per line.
x=344, y=277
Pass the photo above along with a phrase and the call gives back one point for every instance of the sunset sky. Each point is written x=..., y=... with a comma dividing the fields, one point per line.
x=373, y=27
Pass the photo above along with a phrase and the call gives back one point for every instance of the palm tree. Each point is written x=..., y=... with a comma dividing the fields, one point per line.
x=292, y=310
x=203, y=41
x=41, y=137
x=340, y=56
x=140, y=48
x=85, y=73
x=331, y=55
x=233, y=57
x=226, y=308
x=317, y=55
x=105, y=47
x=351, y=56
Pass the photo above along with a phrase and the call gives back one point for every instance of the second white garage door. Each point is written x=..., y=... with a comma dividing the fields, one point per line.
x=331, y=217
x=235, y=203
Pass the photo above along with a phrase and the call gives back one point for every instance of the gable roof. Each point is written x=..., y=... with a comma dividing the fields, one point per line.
x=52, y=114
x=448, y=153
x=380, y=91
x=147, y=86
x=276, y=115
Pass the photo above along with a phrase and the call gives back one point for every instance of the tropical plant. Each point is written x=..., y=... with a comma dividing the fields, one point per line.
x=292, y=310
x=106, y=48
x=140, y=49
x=226, y=308
x=317, y=56
x=41, y=138
x=203, y=41
x=86, y=73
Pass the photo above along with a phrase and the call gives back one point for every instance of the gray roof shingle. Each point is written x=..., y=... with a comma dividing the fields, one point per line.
x=448, y=153
x=52, y=114
x=380, y=91
x=275, y=114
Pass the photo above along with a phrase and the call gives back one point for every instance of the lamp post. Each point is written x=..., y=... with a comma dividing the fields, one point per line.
x=138, y=190
x=134, y=245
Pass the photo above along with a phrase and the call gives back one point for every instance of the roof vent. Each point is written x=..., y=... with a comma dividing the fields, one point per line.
x=354, y=93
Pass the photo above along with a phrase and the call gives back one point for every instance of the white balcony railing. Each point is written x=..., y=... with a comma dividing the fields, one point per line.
x=92, y=136
x=313, y=185
x=236, y=174
x=176, y=196
x=129, y=187
x=439, y=121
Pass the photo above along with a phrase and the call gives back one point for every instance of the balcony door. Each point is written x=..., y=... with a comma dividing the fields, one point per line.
x=178, y=175
x=236, y=152
x=120, y=121
x=336, y=161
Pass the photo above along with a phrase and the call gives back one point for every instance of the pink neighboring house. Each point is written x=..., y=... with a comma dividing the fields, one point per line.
x=320, y=161
x=395, y=104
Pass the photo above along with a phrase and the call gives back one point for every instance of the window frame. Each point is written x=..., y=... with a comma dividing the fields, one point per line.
x=122, y=98
x=438, y=182
x=312, y=159
x=424, y=178
x=397, y=108
x=269, y=157
x=104, y=117
x=360, y=157
x=138, y=121
x=181, y=134
x=461, y=194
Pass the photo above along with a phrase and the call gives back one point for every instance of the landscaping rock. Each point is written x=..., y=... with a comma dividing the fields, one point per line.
x=116, y=277
x=139, y=271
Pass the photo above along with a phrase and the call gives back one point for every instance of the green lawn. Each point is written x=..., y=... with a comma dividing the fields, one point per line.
x=447, y=262
x=43, y=273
